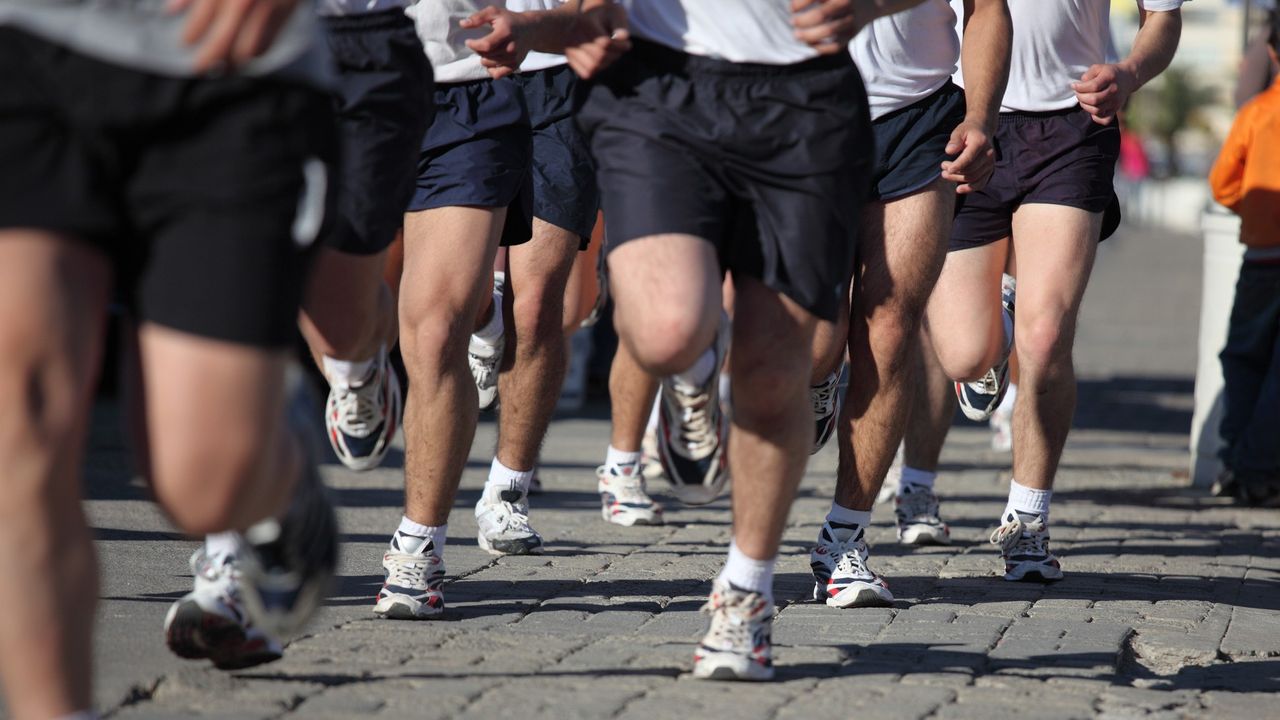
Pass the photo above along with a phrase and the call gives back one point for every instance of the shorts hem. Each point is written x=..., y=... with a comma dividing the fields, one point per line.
x=900, y=194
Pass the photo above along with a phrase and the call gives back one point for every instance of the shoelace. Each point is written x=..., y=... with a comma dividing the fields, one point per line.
x=853, y=560
x=360, y=407
x=697, y=429
x=513, y=517
x=731, y=615
x=988, y=384
x=485, y=370
x=919, y=504
x=824, y=397
x=1019, y=537
x=629, y=490
x=411, y=573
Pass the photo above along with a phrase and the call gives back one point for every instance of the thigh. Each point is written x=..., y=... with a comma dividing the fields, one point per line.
x=448, y=262
x=675, y=273
x=544, y=261
x=965, y=303
x=1056, y=246
x=207, y=398
x=902, y=247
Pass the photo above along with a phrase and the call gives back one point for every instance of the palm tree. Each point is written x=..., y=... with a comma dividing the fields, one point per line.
x=1168, y=106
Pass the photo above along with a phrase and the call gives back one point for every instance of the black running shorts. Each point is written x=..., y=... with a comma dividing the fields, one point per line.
x=564, y=178
x=769, y=163
x=477, y=152
x=911, y=143
x=207, y=193
x=384, y=107
x=1060, y=157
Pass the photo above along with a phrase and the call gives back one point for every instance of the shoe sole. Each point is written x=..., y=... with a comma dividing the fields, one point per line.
x=913, y=536
x=395, y=608
x=484, y=545
x=194, y=634
x=866, y=596
x=1035, y=574
x=626, y=520
x=730, y=668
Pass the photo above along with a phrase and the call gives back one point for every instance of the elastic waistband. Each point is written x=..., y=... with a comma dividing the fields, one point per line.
x=671, y=60
x=380, y=20
x=1025, y=116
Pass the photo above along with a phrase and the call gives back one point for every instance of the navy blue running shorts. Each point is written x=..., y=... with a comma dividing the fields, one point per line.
x=564, y=178
x=911, y=143
x=478, y=153
x=1061, y=157
x=384, y=106
x=769, y=163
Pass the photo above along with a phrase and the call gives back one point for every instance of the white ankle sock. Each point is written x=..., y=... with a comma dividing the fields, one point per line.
x=1028, y=501
x=614, y=456
x=411, y=536
x=491, y=333
x=502, y=477
x=916, y=477
x=700, y=372
x=343, y=373
x=220, y=546
x=848, y=516
x=748, y=573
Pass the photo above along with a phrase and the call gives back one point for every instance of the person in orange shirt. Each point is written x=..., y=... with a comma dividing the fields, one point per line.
x=1246, y=179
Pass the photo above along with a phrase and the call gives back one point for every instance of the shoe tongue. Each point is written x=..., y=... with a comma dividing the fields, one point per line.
x=844, y=533
x=411, y=544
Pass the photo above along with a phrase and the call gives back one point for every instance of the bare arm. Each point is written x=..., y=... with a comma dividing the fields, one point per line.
x=988, y=38
x=590, y=33
x=1103, y=89
x=829, y=25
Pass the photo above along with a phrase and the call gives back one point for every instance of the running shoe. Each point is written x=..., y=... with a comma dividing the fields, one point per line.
x=290, y=562
x=826, y=410
x=503, y=517
x=843, y=578
x=485, y=359
x=693, y=432
x=412, y=584
x=361, y=420
x=980, y=398
x=623, y=498
x=739, y=644
x=210, y=622
x=916, y=510
x=1024, y=546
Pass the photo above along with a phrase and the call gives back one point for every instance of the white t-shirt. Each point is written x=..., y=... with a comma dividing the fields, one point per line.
x=437, y=24
x=747, y=31
x=332, y=8
x=537, y=60
x=1054, y=43
x=906, y=56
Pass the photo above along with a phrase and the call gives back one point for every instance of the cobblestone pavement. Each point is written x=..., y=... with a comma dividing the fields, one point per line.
x=1168, y=608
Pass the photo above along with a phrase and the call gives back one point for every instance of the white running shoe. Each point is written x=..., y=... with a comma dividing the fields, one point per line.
x=1024, y=546
x=623, y=498
x=211, y=622
x=413, y=582
x=362, y=419
x=503, y=517
x=916, y=511
x=693, y=432
x=826, y=409
x=485, y=359
x=840, y=570
x=739, y=644
x=980, y=398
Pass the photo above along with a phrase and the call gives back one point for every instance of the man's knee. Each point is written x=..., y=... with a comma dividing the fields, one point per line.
x=429, y=337
x=668, y=340
x=765, y=385
x=1045, y=342
x=202, y=480
x=892, y=330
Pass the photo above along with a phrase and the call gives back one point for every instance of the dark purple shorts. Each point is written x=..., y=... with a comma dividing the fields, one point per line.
x=1060, y=157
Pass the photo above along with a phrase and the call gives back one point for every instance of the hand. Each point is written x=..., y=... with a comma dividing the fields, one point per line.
x=1103, y=90
x=976, y=161
x=597, y=38
x=506, y=46
x=826, y=25
x=228, y=34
